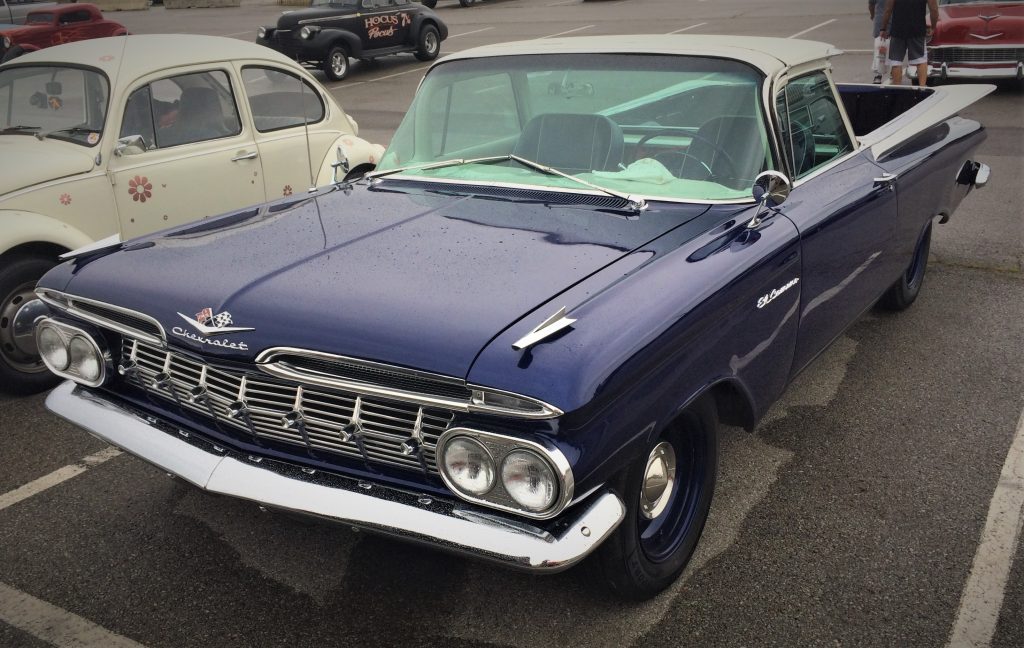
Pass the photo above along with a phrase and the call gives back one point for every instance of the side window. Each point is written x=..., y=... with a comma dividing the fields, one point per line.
x=74, y=17
x=280, y=100
x=138, y=117
x=193, y=108
x=484, y=108
x=813, y=123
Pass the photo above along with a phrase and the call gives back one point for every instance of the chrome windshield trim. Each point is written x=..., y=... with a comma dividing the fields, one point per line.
x=266, y=362
x=533, y=187
x=65, y=302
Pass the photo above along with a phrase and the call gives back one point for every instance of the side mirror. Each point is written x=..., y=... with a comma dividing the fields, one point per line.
x=342, y=164
x=130, y=145
x=771, y=188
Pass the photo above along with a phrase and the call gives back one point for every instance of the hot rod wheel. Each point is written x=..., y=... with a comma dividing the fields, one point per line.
x=21, y=369
x=667, y=492
x=429, y=44
x=336, y=63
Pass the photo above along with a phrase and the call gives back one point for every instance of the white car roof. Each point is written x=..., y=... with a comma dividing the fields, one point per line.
x=767, y=54
x=128, y=57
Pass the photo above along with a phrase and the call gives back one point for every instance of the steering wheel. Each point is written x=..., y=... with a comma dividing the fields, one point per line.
x=681, y=154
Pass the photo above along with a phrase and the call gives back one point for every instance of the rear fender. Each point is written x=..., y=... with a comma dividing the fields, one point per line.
x=359, y=152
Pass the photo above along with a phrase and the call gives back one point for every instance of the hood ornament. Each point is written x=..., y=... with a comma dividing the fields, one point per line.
x=209, y=324
x=544, y=330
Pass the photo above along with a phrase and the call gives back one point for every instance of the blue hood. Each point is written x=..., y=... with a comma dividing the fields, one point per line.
x=392, y=274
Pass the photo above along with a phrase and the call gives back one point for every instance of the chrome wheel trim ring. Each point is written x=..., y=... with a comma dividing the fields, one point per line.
x=431, y=42
x=339, y=63
x=13, y=348
x=659, y=480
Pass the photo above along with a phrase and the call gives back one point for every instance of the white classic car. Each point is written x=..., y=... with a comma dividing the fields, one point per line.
x=124, y=136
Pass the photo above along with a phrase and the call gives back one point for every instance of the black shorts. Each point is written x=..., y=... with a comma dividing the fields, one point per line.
x=913, y=46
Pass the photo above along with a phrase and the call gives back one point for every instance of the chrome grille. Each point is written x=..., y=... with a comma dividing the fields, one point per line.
x=380, y=427
x=976, y=54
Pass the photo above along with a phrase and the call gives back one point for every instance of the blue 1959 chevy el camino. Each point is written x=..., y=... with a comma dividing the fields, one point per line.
x=515, y=339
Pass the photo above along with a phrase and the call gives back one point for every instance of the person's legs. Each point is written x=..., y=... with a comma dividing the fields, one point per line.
x=897, y=50
x=916, y=54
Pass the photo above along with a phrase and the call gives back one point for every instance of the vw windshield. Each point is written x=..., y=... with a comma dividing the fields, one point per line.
x=67, y=103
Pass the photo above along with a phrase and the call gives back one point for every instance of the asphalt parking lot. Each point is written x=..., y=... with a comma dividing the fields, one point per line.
x=860, y=512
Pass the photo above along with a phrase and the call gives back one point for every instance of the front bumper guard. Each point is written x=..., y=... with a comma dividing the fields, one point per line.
x=443, y=524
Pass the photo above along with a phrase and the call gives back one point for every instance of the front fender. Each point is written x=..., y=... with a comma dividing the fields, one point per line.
x=20, y=227
x=328, y=38
x=358, y=151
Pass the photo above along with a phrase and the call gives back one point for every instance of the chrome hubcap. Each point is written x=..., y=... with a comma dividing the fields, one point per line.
x=431, y=42
x=18, y=314
x=659, y=480
x=338, y=63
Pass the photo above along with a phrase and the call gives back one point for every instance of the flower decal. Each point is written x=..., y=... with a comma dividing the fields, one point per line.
x=106, y=58
x=65, y=199
x=140, y=189
x=287, y=190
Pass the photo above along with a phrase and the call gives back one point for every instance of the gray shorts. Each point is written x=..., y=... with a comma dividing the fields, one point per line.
x=912, y=48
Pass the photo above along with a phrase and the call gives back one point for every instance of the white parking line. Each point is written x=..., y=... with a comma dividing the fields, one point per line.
x=54, y=625
x=563, y=2
x=475, y=31
x=389, y=76
x=37, y=486
x=679, y=31
x=239, y=33
x=810, y=29
x=982, y=598
x=571, y=31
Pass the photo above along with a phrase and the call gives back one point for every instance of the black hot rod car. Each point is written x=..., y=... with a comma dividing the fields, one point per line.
x=328, y=33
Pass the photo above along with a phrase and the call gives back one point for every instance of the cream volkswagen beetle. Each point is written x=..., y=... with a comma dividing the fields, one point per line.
x=124, y=136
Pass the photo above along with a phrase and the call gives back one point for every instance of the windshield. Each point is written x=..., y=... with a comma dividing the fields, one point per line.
x=61, y=102
x=677, y=127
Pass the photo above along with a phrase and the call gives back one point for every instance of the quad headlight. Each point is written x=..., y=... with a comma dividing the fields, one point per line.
x=503, y=472
x=71, y=352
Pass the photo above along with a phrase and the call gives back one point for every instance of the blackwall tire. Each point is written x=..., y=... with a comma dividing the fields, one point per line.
x=21, y=370
x=336, y=64
x=429, y=44
x=904, y=292
x=645, y=555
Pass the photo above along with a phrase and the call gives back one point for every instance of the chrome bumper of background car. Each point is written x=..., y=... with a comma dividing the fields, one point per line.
x=442, y=524
x=968, y=71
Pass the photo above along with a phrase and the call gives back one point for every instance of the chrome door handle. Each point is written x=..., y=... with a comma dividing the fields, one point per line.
x=245, y=156
x=887, y=181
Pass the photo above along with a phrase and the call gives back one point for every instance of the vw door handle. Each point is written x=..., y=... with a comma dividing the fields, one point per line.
x=245, y=156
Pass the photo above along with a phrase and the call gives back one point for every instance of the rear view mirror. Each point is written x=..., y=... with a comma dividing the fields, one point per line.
x=130, y=145
x=771, y=188
x=54, y=88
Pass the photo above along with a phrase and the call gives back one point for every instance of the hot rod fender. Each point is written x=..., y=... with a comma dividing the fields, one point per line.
x=425, y=18
x=325, y=39
x=22, y=227
x=672, y=322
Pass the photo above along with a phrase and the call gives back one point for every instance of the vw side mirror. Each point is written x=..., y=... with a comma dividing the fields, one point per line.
x=130, y=145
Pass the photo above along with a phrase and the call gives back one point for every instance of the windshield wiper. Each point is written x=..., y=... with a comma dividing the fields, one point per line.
x=19, y=129
x=72, y=130
x=636, y=204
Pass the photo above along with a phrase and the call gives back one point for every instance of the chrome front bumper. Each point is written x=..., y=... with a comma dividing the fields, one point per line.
x=447, y=525
x=968, y=71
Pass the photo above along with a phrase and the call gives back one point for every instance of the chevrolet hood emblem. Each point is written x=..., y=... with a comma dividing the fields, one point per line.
x=209, y=324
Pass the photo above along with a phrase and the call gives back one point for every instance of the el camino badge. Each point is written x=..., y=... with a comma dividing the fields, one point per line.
x=767, y=299
x=209, y=324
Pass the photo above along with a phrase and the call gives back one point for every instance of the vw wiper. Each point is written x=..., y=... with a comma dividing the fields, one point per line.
x=74, y=130
x=636, y=204
x=435, y=165
x=19, y=129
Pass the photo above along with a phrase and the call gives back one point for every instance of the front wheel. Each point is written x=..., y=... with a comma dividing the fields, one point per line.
x=667, y=493
x=906, y=289
x=21, y=369
x=429, y=3
x=429, y=45
x=465, y=3
x=336, y=63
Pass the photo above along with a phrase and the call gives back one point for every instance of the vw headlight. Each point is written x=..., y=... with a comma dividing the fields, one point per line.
x=529, y=480
x=71, y=352
x=468, y=466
